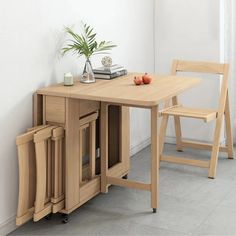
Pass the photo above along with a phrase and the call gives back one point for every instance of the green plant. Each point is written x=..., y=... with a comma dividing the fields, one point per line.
x=86, y=44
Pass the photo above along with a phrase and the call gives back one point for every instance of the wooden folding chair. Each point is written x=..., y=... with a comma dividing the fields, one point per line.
x=88, y=122
x=43, y=150
x=58, y=170
x=27, y=174
x=177, y=111
x=41, y=172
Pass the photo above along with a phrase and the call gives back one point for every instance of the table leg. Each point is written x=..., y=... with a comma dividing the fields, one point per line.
x=104, y=146
x=154, y=158
x=72, y=161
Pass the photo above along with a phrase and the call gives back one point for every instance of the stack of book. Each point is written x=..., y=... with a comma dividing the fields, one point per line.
x=111, y=72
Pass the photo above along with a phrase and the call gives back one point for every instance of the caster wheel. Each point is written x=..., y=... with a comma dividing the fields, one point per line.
x=154, y=210
x=65, y=219
x=48, y=217
x=125, y=177
x=210, y=177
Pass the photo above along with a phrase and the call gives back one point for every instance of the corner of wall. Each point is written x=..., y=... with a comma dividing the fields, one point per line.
x=8, y=226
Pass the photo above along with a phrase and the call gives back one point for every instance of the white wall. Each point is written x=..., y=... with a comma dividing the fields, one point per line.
x=230, y=54
x=30, y=38
x=189, y=30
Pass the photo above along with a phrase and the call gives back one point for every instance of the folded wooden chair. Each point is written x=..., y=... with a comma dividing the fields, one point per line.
x=27, y=175
x=206, y=115
x=90, y=123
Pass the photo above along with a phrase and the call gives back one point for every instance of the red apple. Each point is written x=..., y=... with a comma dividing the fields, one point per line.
x=138, y=80
x=146, y=79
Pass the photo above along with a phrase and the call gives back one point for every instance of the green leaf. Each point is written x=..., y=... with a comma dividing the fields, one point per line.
x=85, y=44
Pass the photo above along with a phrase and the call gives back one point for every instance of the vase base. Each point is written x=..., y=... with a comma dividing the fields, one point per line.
x=87, y=81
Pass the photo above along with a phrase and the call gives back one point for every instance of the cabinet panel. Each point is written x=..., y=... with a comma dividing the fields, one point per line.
x=87, y=107
x=71, y=112
x=55, y=109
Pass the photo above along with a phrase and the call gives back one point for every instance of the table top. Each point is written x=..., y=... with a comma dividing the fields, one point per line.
x=122, y=90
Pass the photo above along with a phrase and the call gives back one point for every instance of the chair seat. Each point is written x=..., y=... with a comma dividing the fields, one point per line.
x=204, y=114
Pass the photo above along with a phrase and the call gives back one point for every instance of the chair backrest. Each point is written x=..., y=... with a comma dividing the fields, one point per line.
x=206, y=67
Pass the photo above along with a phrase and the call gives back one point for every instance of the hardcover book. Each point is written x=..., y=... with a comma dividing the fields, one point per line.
x=110, y=76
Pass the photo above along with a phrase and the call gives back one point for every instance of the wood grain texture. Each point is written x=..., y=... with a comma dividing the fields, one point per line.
x=228, y=130
x=51, y=161
x=219, y=121
x=90, y=189
x=55, y=109
x=42, y=140
x=204, y=114
x=155, y=156
x=81, y=131
x=58, y=195
x=125, y=92
x=87, y=107
x=104, y=146
x=112, y=93
x=92, y=148
x=199, y=67
x=185, y=161
x=27, y=175
x=163, y=128
x=24, y=154
x=201, y=145
x=89, y=118
x=124, y=138
x=128, y=183
x=88, y=123
x=178, y=131
x=72, y=161
x=196, y=113
x=37, y=109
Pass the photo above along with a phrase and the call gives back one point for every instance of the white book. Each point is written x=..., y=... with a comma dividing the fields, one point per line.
x=108, y=70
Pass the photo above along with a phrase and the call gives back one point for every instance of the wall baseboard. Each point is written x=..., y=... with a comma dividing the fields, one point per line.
x=147, y=142
x=168, y=139
x=8, y=226
x=137, y=148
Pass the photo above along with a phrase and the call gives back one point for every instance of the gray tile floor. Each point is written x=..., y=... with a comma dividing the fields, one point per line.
x=190, y=204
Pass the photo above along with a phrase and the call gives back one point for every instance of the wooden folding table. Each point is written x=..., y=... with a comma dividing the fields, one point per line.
x=119, y=92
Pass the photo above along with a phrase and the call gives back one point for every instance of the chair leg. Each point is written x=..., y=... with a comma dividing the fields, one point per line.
x=104, y=146
x=81, y=156
x=229, y=137
x=215, y=148
x=178, y=132
x=163, y=128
